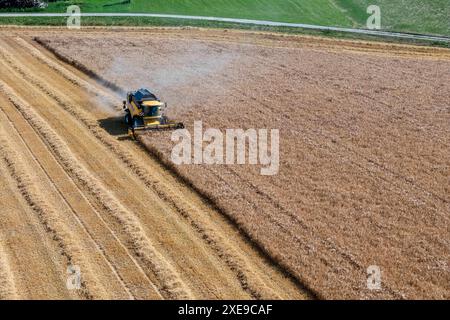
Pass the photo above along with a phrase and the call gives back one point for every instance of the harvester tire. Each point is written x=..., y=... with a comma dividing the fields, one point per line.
x=128, y=119
x=138, y=122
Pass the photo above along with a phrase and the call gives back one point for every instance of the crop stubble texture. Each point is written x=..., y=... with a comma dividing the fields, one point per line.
x=87, y=199
x=364, y=154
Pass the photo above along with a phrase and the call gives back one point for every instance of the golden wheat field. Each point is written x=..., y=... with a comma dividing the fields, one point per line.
x=363, y=174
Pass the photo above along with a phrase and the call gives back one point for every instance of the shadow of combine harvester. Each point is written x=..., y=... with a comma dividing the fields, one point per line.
x=116, y=127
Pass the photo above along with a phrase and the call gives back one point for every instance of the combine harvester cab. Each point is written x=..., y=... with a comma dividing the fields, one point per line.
x=144, y=112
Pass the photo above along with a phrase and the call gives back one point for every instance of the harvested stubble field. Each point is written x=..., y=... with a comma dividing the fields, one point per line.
x=364, y=146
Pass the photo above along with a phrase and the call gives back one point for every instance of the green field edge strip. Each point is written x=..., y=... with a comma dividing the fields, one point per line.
x=249, y=22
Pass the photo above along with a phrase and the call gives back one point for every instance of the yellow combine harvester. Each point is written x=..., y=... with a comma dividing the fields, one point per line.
x=144, y=112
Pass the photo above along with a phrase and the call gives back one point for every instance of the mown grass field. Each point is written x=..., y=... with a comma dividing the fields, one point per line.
x=317, y=11
x=412, y=16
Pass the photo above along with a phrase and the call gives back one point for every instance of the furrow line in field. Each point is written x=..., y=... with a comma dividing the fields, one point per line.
x=169, y=282
x=98, y=247
x=45, y=213
x=328, y=243
x=308, y=241
x=7, y=285
x=34, y=81
x=362, y=160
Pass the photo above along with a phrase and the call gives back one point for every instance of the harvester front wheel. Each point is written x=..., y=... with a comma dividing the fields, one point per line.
x=138, y=122
x=128, y=119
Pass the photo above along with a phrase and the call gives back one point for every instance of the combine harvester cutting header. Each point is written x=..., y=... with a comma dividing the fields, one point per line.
x=144, y=112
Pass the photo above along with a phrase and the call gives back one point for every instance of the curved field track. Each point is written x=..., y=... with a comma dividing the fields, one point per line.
x=74, y=197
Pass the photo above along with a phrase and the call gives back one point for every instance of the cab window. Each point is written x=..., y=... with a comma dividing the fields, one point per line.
x=151, y=111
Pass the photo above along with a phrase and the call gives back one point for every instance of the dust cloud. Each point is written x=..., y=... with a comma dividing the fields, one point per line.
x=178, y=80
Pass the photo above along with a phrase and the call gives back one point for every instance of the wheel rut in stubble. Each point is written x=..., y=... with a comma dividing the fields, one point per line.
x=171, y=197
x=7, y=285
x=61, y=152
x=171, y=286
x=45, y=213
x=67, y=198
x=168, y=286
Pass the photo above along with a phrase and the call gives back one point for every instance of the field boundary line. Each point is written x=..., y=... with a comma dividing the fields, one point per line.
x=267, y=23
